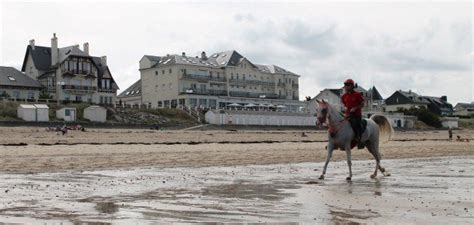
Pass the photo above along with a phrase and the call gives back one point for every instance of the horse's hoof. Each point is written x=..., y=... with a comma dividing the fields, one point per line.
x=388, y=174
x=382, y=169
x=348, y=178
x=373, y=176
x=321, y=177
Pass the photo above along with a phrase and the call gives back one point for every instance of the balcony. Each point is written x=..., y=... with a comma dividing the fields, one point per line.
x=197, y=77
x=294, y=85
x=107, y=90
x=78, y=88
x=281, y=84
x=253, y=95
x=191, y=91
x=253, y=82
x=77, y=72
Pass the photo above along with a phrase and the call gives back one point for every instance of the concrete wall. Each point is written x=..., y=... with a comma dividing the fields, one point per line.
x=450, y=122
x=218, y=118
x=394, y=108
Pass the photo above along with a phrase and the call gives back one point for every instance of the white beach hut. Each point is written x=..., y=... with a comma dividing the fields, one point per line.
x=37, y=112
x=26, y=112
x=95, y=113
x=67, y=114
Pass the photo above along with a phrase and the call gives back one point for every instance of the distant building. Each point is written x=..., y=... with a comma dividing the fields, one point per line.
x=69, y=73
x=372, y=99
x=132, y=96
x=439, y=105
x=405, y=100
x=408, y=99
x=15, y=84
x=464, y=109
x=214, y=81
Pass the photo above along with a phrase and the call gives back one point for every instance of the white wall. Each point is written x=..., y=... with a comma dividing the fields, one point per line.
x=214, y=117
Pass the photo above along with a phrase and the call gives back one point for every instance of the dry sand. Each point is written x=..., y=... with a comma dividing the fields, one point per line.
x=31, y=150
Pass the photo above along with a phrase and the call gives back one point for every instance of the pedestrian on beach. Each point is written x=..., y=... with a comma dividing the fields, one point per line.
x=450, y=132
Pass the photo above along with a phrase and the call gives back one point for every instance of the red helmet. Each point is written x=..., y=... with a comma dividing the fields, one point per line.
x=349, y=81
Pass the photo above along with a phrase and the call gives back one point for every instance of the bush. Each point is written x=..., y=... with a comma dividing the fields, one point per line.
x=423, y=115
x=8, y=109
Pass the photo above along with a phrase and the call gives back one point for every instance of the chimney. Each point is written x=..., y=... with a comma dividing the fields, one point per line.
x=86, y=48
x=444, y=98
x=203, y=55
x=103, y=60
x=54, y=50
x=183, y=54
x=32, y=44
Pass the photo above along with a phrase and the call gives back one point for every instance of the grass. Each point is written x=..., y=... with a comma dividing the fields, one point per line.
x=466, y=123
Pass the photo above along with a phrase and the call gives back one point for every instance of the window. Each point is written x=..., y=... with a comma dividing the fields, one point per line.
x=11, y=78
x=110, y=100
x=16, y=94
x=160, y=104
x=170, y=71
x=156, y=73
x=31, y=95
x=163, y=71
x=78, y=98
x=67, y=112
x=210, y=73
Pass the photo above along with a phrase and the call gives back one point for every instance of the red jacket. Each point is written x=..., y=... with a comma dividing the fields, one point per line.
x=351, y=100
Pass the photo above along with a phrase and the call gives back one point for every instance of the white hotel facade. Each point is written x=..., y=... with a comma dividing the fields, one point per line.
x=213, y=82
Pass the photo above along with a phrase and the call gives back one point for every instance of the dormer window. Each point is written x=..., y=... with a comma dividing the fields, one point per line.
x=11, y=78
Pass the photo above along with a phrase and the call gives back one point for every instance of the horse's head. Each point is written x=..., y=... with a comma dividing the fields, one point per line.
x=322, y=112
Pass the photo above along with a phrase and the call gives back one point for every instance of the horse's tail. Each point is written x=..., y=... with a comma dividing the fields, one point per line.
x=386, y=130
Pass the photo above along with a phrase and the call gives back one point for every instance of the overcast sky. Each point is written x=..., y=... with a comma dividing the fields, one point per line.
x=426, y=47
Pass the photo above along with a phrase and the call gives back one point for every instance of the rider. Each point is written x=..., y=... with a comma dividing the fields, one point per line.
x=353, y=101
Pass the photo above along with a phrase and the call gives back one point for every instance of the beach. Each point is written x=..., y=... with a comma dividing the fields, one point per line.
x=118, y=176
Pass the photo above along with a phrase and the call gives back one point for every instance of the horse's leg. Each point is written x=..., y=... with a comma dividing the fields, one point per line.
x=330, y=149
x=371, y=147
x=378, y=158
x=349, y=161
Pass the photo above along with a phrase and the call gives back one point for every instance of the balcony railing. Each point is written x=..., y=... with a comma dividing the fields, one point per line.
x=295, y=85
x=189, y=76
x=78, y=88
x=106, y=90
x=191, y=91
x=281, y=84
x=253, y=95
x=252, y=82
x=78, y=72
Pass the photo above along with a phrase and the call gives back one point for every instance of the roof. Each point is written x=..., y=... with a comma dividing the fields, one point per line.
x=10, y=76
x=24, y=106
x=414, y=97
x=41, y=106
x=465, y=105
x=132, y=91
x=42, y=60
x=216, y=60
x=41, y=57
x=374, y=94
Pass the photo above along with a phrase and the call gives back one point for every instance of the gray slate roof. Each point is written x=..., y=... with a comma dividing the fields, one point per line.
x=374, y=93
x=216, y=60
x=465, y=105
x=18, y=79
x=134, y=90
x=414, y=97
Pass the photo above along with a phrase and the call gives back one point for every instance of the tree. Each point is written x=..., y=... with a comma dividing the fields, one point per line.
x=44, y=94
x=4, y=95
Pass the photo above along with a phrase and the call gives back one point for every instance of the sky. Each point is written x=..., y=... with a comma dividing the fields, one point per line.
x=426, y=47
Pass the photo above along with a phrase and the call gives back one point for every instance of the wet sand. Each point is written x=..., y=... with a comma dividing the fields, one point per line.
x=419, y=191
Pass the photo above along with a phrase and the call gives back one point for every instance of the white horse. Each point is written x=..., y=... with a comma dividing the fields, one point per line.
x=340, y=135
